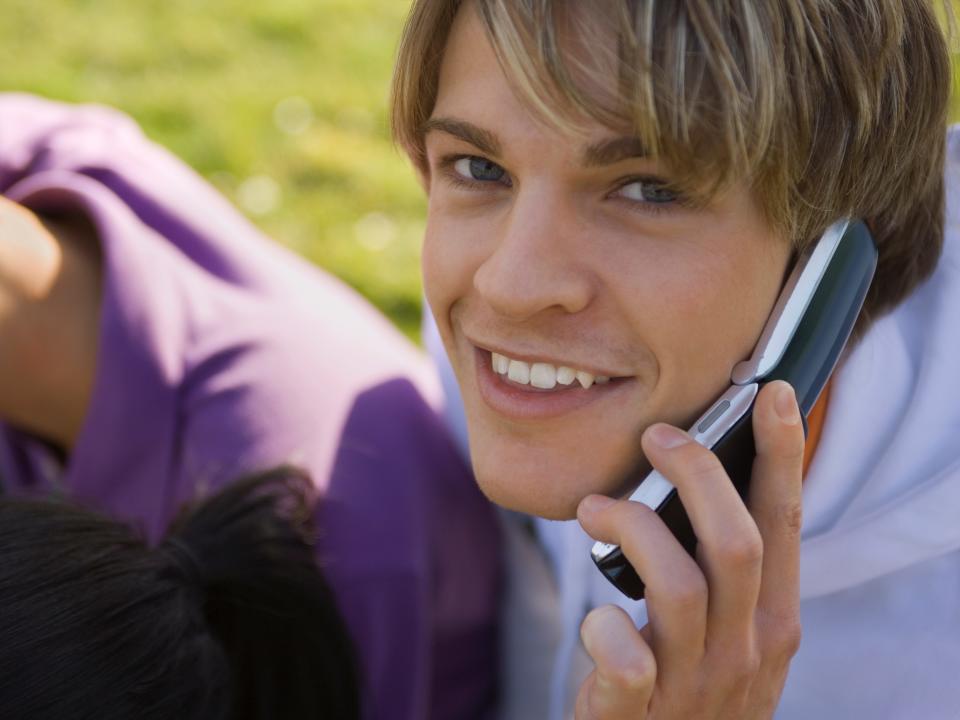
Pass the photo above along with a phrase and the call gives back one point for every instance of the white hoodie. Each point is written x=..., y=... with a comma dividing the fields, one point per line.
x=880, y=552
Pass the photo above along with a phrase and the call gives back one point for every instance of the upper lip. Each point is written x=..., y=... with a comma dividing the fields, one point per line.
x=548, y=358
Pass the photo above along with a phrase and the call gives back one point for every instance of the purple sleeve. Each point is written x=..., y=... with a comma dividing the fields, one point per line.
x=372, y=516
x=407, y=541
x=37, y=136
x=221, y=353
x=452, y=617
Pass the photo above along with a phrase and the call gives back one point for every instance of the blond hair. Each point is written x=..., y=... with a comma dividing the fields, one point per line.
x=827, y=109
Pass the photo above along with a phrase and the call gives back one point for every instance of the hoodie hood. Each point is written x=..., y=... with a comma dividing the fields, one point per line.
x=883, y=489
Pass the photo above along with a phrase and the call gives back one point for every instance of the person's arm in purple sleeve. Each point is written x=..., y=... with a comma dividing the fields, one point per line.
x=49, y=297
x=39, y=136
x=406, y=540
x=201, y=351
x=248, y=404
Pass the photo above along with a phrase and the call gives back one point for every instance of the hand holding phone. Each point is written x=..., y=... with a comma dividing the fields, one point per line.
x=722, y=626
x=801, y=344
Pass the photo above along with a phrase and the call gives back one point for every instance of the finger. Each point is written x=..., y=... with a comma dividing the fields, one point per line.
x=774, y=497
x=730, y=546
x=626, y=670
x=676, y=591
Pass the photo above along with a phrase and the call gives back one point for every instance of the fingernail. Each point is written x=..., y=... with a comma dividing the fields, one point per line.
x=786, y=405
x=667, y=436
x=595, y=503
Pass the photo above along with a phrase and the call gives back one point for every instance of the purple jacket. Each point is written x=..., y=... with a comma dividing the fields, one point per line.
x=221, y=353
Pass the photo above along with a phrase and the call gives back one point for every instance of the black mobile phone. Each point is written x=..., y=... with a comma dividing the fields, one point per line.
x=801, y=344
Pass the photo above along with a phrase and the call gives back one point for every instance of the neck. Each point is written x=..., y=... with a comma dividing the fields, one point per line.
x=50, y=285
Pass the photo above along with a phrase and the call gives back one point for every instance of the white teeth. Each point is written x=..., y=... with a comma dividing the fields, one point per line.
x=519, y=372
x=543, y=376
x=566, y=375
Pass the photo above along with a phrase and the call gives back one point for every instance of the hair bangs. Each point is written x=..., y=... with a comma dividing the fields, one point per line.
x=695, y=82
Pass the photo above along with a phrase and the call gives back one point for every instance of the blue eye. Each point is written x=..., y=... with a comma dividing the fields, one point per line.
x=649, y=191
x=479, y=169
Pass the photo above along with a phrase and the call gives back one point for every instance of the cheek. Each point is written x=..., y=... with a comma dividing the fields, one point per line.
x=432, y=268
x=672, y=297
x=699, y=311
x=442, y=266
x=683, y=322
x=454, y=248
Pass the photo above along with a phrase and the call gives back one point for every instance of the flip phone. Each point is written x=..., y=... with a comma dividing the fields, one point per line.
x=800, y=343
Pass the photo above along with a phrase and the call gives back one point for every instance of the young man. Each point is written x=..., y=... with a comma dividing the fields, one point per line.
x=616, y=192
x=154, y=345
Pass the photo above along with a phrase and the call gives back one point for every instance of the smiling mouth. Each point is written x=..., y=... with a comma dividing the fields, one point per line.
x=544, y=376
x=529, y=390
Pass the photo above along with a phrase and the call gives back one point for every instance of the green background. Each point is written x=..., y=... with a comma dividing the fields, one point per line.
x=281, y=104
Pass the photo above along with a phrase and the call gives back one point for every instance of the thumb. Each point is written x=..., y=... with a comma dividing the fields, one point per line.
x=625, y=671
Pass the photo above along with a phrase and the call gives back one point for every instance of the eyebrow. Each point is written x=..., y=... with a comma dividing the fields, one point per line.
x=605, y=152
x=483, y=140
x=608, y=152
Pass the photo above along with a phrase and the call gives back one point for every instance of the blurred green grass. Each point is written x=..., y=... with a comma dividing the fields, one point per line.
x=281, y=104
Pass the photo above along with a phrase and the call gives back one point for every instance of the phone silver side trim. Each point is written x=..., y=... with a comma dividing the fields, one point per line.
x=654, y=489
x=788, y=312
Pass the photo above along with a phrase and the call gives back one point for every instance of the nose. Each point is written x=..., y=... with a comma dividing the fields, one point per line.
x=535, y=264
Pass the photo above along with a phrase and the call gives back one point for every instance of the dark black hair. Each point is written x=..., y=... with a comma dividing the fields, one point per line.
x=229, y=618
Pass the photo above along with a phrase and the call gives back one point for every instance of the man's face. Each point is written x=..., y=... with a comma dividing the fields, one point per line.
x=567, y=256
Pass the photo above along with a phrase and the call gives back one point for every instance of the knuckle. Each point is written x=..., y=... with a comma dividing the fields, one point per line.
x=790, y=517
x=743, y=550
x=699, y=463
x=751, y=664
x=743, y=671
x=736, y=668
x=783, y=634
x=688, y=594
x=633, y=676
x=790, y=637
x=633, y=513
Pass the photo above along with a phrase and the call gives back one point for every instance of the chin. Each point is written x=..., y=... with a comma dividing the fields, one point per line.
x=548, y=486
x=530, y=498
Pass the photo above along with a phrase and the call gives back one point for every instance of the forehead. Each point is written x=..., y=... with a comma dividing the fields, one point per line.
x=473, y=86
x=471, y=79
